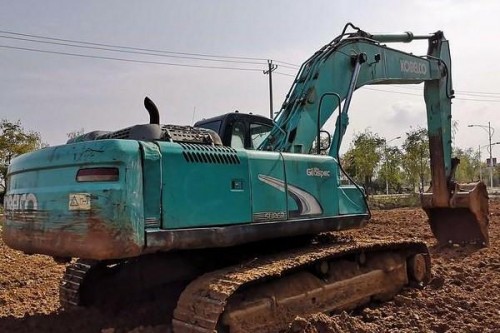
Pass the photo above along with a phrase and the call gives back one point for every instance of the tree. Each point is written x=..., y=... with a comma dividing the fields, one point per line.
x=14, y=141
x=416, y=158
x=496, y=174
x=468, y=169
x=390, y=169
x=363, y=156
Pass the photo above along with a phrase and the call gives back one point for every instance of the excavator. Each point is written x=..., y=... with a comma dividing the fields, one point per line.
x=243, y=211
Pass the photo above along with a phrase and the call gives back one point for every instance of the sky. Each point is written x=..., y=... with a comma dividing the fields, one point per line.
x=55, y=94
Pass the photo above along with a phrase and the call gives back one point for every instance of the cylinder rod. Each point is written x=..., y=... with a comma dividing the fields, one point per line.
x=405, y=37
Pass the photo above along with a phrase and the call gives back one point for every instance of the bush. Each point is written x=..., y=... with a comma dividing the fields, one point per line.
x=392, y=201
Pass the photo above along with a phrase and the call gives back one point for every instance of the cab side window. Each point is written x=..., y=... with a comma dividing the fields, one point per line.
x=258, y=132
x=213, y=125
x=238, y=135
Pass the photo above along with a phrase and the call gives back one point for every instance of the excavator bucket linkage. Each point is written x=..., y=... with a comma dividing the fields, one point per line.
x=465, y=220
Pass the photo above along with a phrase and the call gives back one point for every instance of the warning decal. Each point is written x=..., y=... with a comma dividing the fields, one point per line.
x=79, y=201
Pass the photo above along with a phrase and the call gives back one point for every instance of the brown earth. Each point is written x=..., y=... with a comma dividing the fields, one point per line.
x=463, y=295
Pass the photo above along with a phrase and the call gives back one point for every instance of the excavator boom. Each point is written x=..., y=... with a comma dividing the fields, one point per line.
x=353, y=60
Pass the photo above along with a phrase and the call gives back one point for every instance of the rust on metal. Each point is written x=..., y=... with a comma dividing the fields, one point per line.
x=417, y=267
x=86, y=237
x=202, y=305
x=345, y=287
x=440, y=191
x=458, y=213
x=465, y=220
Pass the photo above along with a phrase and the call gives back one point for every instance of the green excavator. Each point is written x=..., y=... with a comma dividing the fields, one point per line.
x=233, y=206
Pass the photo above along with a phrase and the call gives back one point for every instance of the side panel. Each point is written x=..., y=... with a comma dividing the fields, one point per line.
x=351, y=200
x=311, y=186
x=47, y=211
x=152, y=183
x=296, y=186
x=267, y=174
x=290, y=195
x=204, y=186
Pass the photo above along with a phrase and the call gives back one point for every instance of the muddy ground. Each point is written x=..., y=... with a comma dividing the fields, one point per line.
x=463, y=295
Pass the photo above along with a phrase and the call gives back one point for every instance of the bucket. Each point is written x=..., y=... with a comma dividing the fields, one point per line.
x=465, y=220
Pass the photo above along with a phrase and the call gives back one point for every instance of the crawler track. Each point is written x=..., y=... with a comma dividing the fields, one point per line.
x=203, y=303
x=70, y=288
x=293, y=281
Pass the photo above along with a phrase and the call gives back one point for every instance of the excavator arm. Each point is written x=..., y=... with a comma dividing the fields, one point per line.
x=360, y=59
x=349, y=62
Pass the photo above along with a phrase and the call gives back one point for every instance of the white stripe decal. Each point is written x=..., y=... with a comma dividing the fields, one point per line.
x=307, y=203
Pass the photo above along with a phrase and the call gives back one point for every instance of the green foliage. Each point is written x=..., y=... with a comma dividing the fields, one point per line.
x=369, y=161
x=468, y=169
x=324, y=145
x=363, y=156
x=496, y=174
x=373, y=163
x=14, y=141
x=416, y=158
x=394, y=201
x=390, y=169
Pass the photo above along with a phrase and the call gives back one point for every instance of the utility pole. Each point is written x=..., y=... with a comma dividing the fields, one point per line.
x=269, y=71
x=387, y=164
x=490, y=131
x=480, y=170
x=490, y=134
x=489, y=145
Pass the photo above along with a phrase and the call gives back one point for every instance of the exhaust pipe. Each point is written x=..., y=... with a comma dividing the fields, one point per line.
x=154, y=115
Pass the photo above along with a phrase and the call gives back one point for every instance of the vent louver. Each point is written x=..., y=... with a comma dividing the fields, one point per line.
x=194, y=153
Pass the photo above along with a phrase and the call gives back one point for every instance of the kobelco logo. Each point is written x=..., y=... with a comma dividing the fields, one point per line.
x=413, y=67
x=315, y=172
x=13, y=202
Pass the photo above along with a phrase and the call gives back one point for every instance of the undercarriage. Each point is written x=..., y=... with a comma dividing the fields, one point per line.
x=259, y=287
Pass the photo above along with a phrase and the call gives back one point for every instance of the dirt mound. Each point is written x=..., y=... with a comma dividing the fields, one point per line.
x=463, y=296
x=321, y=323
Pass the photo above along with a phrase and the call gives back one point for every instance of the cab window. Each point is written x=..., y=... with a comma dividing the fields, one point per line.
x=238, y=135
x=213, y=125
x=258, y=132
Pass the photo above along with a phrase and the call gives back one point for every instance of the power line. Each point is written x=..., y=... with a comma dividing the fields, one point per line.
x=190, y=56
x=457, y=98
x=133, y=52
x=128, y=47
x=286, y=63
x=478, y=100
x=128, y=60
x=284, y=74
x=206, y=67
x=142, y=49
x=462, y=92
x=294, y=67
x=390, y=91
x=465, y=92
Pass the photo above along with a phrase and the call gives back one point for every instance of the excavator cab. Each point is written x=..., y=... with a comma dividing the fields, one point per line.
x=464, y=220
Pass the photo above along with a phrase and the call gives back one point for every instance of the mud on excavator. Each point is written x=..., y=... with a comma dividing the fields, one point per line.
x=232, y=206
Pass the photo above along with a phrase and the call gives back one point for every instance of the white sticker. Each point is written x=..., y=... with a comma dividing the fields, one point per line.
x=79, y=201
